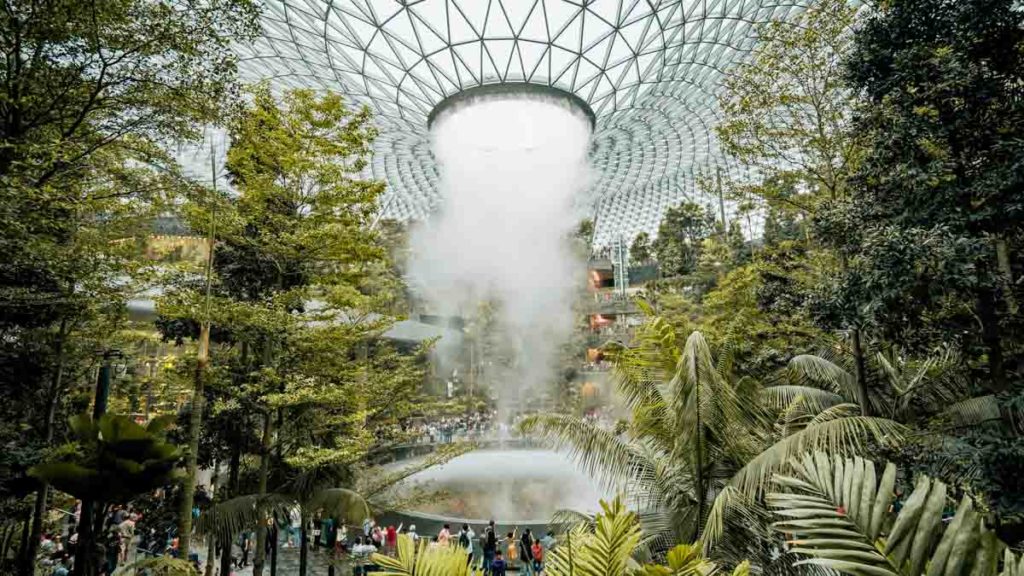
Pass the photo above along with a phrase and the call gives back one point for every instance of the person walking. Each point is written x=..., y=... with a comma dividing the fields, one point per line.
x=526, y=552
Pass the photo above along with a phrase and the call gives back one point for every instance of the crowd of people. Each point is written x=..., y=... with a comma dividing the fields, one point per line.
x=488, y=550
x=117, y=536
x=450, y=428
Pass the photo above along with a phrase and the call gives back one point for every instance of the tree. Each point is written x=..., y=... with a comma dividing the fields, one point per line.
x=787, y=115
x=680, y=234
x=840, y=514
x=935, y=222
x=640, y=249
x=92, y=92
x=701, y=443
x=786, y=111
x=296, y=262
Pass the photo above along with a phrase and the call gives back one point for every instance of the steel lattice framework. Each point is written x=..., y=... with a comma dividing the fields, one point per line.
x=649, y=70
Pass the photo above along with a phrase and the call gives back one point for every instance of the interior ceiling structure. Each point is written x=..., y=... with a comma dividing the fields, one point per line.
x=648, y=69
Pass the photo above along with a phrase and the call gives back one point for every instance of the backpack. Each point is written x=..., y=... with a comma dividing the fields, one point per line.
x=464, y=539
x=492, y=541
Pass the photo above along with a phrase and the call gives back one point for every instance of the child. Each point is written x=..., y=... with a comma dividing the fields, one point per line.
x=512, y=547
x=538, y=557
x=498, y=566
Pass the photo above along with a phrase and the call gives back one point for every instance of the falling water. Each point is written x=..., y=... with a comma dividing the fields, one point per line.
x=512, y=170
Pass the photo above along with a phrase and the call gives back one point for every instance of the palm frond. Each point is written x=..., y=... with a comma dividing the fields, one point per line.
x=839, y=436
x=569, y=517
x=808, y=370
x=597, y=451
x=606, y=549
x=781, y=396
x=244, y=513
x=339, y=503
x=973, y=411
x=836, y=509
x=729, y=501
x=838, y=411
x=425, y=561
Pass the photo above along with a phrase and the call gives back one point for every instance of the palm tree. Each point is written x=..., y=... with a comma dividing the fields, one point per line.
x=902, y=388
x=316, y=490
x=110, y=460
x=931, y=396
x=701, y=445
x=838, y=512
x=307, y=493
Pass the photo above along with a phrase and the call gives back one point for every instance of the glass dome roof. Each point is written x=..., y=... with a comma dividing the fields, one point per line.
x=649, y=70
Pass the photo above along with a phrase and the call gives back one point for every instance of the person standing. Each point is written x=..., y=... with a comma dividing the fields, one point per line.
x=490, y=546
x=512, y=548
x=391, y=540
x=341, y=538
x=526, y=552
x=466, y=536
x=538, y=557
x=377, y=536
x=444, y=537
x=498, y=565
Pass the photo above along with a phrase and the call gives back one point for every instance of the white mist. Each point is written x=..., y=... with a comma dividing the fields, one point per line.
x=512, y=169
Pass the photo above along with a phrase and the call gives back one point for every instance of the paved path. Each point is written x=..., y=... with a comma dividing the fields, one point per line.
x=287, y=564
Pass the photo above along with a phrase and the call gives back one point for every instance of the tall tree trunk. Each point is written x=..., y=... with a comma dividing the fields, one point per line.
x=1005, y=275
x=303, y=544
x=232, y=488
x=42, y=495
x=273, y=551
x=261, y=529
x=860, y=373
x=195, y=426
x=211, y=541
x=990, y=334
x=84, y=559
x=859, y=365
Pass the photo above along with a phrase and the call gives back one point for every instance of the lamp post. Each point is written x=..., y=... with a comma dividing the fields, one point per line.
x=99, y=407
x=84, y=560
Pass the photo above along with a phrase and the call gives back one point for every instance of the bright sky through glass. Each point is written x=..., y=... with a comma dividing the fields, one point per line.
x=649, y=69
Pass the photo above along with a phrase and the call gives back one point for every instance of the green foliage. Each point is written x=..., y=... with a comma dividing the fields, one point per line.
x=603, y=548
x=839, y=512
x=688, y=560
x=682, y=230
x=159, y=566
x=426, y=560
x=701, y=444
x=111, y=460
x=641, y=251
x=786, y=111
x=932, y=234
x=757, y=310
